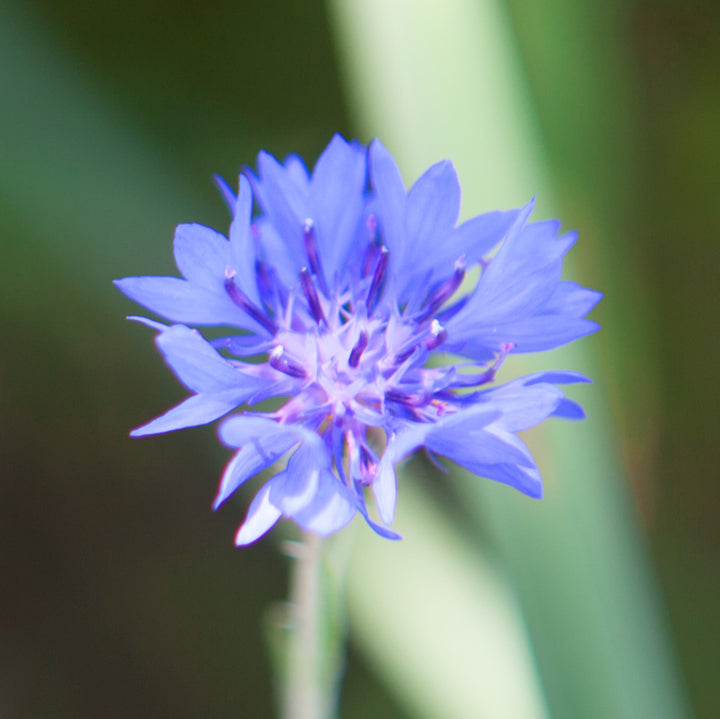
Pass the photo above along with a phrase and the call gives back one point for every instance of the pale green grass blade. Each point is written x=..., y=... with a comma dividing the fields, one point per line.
x=443, y=80
x=438, y=622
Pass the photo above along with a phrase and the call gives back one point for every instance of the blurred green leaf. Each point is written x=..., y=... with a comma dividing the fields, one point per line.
x=436, y=620
x=447, y=82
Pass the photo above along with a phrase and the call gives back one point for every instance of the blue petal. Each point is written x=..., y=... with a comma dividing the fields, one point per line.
x=525, y=478
x=242, y=345
x=433, y=206
x=487, y=450
x=474, y=239
x=201, y=255
x=193, y=412
x=462, y=438
x=220, y=386
x=332, y=508
x=523, y=406
x=199, y=367
x=390, y=198
x=545, y=332
x=309, y=493
x=306, y=491
x=568, y=409
x=300, y=481
x=263, y=442
x=401, y=443
x=227, y=194
x=280, y=185
x=532, y=335
x=239, y=431
x=297, y=172
x=384, y=487
x=555, y=377
x=432, y=209
x=384, y=532
x=336, y=201
x=571, y=299
x=242, y=247
x=278, y=254
x=517, y=283
x=412, y=435
x=261, y=517
x=180, y=301
x=152, y=324
x=520, y=279
x=481, y=348
x=520, y=298
x=284, y=202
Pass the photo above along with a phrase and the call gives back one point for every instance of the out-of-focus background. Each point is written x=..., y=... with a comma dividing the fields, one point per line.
x=122, y=592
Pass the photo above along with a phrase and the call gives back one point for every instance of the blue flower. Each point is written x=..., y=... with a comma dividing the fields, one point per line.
x=335, y=294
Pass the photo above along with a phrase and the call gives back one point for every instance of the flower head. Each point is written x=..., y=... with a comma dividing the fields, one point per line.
x=336, y=293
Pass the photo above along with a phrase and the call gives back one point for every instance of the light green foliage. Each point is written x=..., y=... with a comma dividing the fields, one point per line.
x=445, y=80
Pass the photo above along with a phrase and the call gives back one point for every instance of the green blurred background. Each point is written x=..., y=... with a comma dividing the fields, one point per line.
x=123, y=594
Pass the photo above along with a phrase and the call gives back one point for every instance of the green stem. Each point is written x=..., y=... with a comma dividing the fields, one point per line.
x=305, y=689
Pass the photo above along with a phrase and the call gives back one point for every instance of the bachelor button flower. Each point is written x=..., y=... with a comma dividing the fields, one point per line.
x=337, y=293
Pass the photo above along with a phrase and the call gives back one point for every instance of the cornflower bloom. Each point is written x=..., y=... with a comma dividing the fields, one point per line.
x=337, y=293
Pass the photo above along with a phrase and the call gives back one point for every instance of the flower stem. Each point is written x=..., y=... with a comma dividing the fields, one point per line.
x=307, y=694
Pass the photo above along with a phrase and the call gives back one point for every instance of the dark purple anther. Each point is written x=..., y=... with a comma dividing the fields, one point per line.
x=438, y=334
x=419, y=399
x=380, y=267
x=281, y=363
x=368, y=465
x=242, y=301
x=311, y=296
x=358, y=349
x=402, y=356
x=446, y=290
x=311, y=249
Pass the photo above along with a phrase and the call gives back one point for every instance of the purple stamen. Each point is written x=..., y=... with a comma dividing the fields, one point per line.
x=281, y=363
x=311, y=249
x=447, y=289
x=438, y=334
x=242, y=301
x=311, y=296
x=489, y=374
x=358, y=349
x=380, y=267
x=368, y=465
x=409, y=400
x=402, y=356
x=474, y=380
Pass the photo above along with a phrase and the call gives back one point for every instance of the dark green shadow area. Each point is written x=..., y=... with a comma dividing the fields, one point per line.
x=124, y=595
